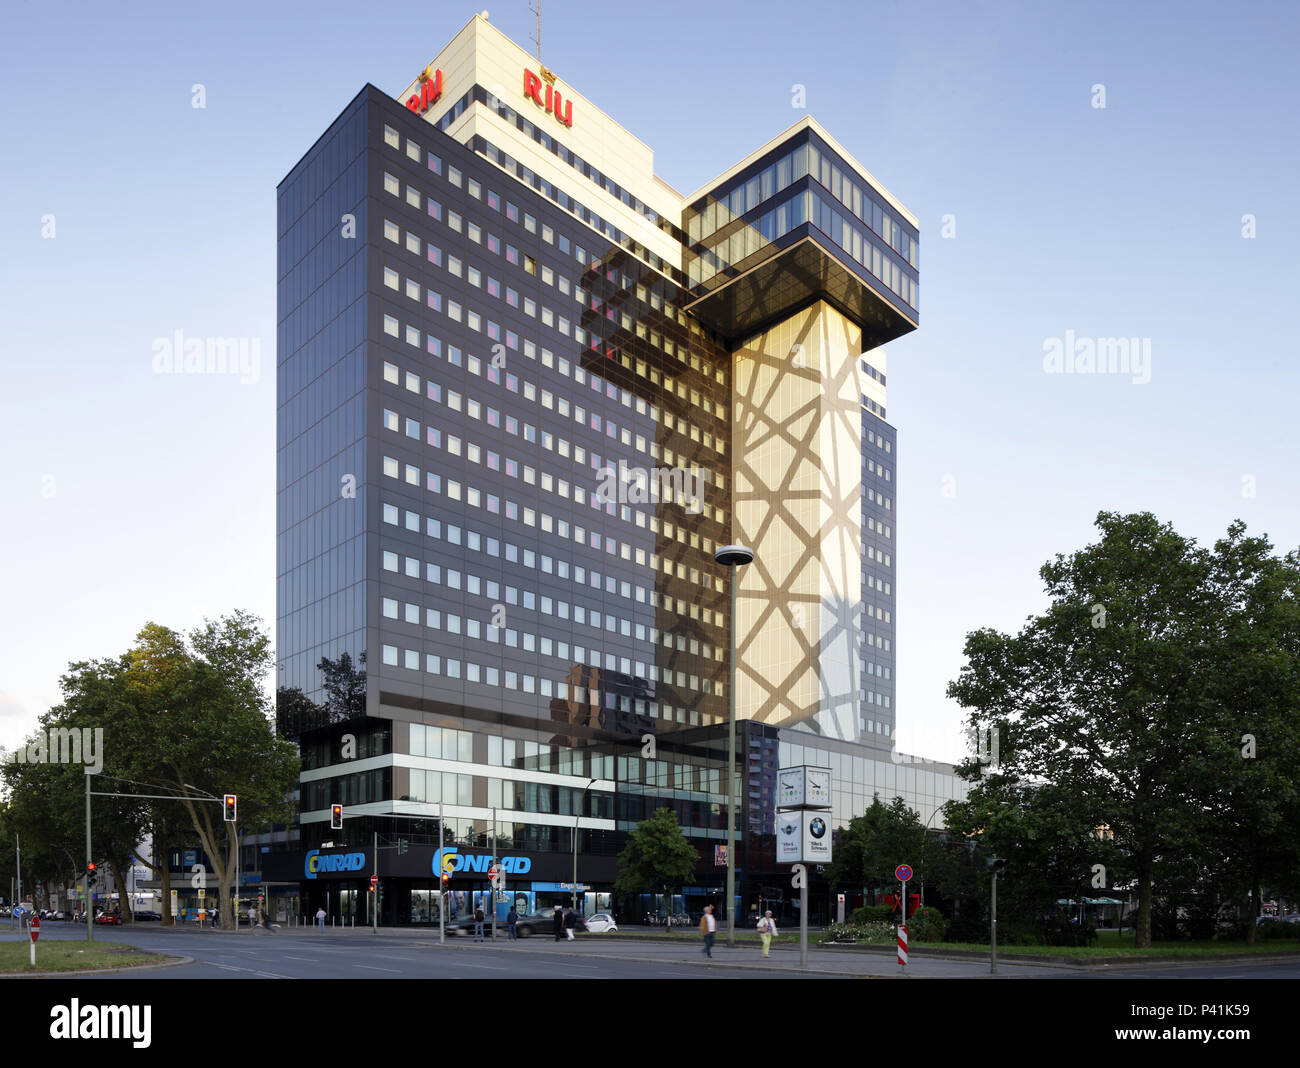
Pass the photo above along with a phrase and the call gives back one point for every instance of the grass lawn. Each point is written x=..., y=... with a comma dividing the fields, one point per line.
x=64, y=956
x=1115, y=944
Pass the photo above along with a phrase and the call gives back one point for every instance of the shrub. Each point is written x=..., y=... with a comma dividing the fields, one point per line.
x=926, y=925
x=1275, y=930
x=873, y=934
x=871, y=914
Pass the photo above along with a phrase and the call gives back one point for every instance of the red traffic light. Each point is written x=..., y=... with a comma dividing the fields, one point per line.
x=446, y=878
x=336, y=817
x=90, y=868
x=228, y=807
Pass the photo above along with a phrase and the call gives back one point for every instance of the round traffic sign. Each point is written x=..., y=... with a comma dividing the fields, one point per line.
x=902, y=873
x=374, y=880
x=35, y=927
x=492, y=873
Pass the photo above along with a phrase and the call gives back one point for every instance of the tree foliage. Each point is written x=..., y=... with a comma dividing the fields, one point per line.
x=1125, y=706
x=656, y=855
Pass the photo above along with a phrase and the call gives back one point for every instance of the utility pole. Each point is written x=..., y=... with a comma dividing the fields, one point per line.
x=374, y=915
x=442, y=893
x=90, y=908
x=492, y=883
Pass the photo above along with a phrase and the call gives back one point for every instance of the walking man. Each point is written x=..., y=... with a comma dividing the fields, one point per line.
x=767, y=930
x=570, y=922
x=512, y=922
x=557, y=923
x=478, y=924
x=708, y=928
x=320, y=919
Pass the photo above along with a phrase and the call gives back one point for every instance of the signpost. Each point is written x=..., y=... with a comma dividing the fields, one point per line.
x=903, y=872
x=803, y=834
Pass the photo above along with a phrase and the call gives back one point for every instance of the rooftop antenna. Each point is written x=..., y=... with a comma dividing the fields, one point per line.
x=538, y=38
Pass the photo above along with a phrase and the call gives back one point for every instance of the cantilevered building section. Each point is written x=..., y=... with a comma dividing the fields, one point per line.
x=805, y=265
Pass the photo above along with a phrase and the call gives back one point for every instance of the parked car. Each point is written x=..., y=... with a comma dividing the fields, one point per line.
x=145, y=914
x=601, y=923
x=109, y=918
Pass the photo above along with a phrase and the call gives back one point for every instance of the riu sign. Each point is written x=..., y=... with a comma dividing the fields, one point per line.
x=547, y=97
x=430, y=91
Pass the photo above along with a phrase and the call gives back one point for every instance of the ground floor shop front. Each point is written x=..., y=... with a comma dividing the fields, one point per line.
x=408, y=888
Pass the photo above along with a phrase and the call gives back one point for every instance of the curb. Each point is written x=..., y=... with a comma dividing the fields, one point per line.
x=170, y=962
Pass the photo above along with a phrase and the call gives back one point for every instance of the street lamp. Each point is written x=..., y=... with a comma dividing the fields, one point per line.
x=577, y=816
x=732, y=556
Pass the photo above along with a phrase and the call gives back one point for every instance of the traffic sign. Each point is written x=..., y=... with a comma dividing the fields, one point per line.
x=374, y=880
x=19, y=911
x=902, y=873
x=36, y=928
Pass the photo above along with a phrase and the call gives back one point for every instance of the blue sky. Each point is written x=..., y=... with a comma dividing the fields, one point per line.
x=132, y=496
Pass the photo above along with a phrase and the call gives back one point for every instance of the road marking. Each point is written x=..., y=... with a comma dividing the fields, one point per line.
x=311, y=960
x=374, y=969
x=489, y=967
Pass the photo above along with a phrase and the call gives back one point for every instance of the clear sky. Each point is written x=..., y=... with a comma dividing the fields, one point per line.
x=132, y=496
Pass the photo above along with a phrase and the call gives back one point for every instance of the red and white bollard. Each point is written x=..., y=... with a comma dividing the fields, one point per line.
x=902, y=945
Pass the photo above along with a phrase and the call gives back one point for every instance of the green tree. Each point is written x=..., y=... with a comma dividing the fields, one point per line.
x=657, y=855
x=1112, y=707
x=182, y=719
x=874, y=844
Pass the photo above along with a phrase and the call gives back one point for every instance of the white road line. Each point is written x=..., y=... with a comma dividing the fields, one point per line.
x=374, y=969
x=311, y=960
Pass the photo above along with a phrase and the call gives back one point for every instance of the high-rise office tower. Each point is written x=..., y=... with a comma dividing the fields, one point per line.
x=525, y=388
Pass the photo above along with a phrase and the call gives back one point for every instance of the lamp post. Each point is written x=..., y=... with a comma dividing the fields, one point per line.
x=577, y=816
x=732, y=556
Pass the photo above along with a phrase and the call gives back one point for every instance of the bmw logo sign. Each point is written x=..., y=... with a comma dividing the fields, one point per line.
x=817, y=828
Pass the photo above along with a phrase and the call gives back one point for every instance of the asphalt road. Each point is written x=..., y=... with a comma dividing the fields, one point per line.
x=359, y=954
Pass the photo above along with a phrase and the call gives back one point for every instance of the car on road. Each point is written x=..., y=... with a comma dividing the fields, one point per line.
x=109, y=918
x=601, y=923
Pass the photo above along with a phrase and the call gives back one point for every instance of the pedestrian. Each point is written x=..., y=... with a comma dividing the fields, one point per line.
x=570, y=922
x=252, y=916
x=557, y=923
x=320, y=919
x=478, y=924
x=512, y=923
x=767, y=931
x=708, y=926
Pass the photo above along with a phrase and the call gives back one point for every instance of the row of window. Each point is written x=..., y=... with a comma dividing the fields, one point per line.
x=487, y=675
x=686, y=489
x=472, y=541
x=842, y=184
x=492, y=546
x=477, y=630
x=619, y=318
x=493, y=504
x=877, y=375
x=557, y=403
x=647, y=295
x=803, y=207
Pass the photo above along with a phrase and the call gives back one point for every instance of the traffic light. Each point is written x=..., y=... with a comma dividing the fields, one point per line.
x=402, y=843
x=228, y=807
x=336, y=817
x=997, y=867
x=446, y=879
x=90, y=871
